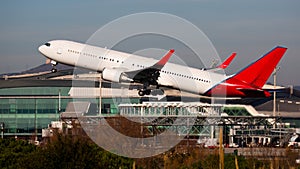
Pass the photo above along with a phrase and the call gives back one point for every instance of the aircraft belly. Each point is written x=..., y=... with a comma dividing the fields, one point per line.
x=184, y=84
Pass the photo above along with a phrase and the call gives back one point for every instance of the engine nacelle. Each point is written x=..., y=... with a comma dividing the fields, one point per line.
x=114, y=75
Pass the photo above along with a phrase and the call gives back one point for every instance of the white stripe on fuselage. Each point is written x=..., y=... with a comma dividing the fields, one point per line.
x=97, y=58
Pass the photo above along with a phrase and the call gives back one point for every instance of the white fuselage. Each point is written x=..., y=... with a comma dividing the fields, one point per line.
x=97, y=58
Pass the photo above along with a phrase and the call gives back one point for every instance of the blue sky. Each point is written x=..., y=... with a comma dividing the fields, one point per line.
x=250, y=28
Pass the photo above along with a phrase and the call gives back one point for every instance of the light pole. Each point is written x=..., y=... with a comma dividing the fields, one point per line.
x=100, y=95
x=274, y=94
x=35, y=119
x=59, y=102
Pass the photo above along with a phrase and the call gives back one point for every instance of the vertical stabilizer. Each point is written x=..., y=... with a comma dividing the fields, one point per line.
x=257, y=73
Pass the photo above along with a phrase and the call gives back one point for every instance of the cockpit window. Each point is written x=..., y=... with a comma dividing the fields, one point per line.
x=47, y=44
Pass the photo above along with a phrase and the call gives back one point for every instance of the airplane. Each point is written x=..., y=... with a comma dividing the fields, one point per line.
x=120, y=67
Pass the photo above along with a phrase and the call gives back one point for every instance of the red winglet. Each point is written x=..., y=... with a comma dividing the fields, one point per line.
x=165, y=59
x=225, y=64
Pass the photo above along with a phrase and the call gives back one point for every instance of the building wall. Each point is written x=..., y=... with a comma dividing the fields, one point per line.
x=26, y=111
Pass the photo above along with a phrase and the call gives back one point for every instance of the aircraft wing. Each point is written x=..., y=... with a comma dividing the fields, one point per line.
x=150, y=74
x=226, y=63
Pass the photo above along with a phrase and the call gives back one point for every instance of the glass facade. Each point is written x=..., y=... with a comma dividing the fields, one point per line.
x=24, y=115
x=26, y=111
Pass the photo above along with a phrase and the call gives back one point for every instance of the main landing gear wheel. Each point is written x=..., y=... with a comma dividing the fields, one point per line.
x=144, y=92
x=141, y=93
x=53, y=70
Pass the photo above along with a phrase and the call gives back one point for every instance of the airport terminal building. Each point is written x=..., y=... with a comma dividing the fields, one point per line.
x=28, y=103
x=26, y=110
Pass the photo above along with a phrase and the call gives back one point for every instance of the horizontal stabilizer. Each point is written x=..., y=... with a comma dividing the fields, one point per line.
x=255, y=92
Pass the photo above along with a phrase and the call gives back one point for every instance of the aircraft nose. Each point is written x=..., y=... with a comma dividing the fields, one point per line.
x=41, y=49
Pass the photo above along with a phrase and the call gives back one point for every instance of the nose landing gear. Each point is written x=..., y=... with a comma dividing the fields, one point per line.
x=53, y=70
x=53, y=63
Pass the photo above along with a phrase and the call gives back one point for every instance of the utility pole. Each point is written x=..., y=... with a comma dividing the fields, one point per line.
x=236, y=159
x=221, y=164
x=280, y=126
x=100, y=95
x=35, y=119
x=274, y=94
x=291, y=90
x=59, y=102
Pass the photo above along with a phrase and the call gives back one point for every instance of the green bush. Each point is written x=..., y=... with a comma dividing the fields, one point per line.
x=63, y=152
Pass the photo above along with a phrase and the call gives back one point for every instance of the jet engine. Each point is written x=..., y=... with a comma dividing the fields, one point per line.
x=115, y=75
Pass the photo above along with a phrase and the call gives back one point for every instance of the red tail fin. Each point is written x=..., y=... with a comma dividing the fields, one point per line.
x=257, y=73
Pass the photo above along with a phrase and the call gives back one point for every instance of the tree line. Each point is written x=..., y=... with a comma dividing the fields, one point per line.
x=65, y=151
